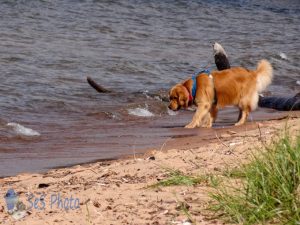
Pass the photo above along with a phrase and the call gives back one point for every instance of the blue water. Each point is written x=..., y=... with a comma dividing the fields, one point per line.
x=47, y=48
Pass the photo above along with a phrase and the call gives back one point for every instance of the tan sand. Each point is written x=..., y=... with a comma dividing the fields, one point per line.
x=115, y=192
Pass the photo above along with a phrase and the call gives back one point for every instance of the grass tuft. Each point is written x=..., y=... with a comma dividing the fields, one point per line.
x=184, y=207
x=266, y=190
x=176, y=178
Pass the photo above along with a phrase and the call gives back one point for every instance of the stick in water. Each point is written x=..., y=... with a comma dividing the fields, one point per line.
x=96, y=86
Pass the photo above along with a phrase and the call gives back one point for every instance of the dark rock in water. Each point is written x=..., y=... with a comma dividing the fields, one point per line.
x=221, y=62
x=281, y=103
x=221, y=59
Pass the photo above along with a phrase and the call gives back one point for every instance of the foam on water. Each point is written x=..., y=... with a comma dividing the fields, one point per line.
x=283, y=56
x=140, y=112
x=21, y=130
x=172, y=113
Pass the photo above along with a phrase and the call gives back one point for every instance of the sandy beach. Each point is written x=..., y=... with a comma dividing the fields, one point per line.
x=120, y=192
x=72, y=155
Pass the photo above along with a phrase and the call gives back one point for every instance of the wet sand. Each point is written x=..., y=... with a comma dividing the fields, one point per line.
x=115, y=192
x=93, y=138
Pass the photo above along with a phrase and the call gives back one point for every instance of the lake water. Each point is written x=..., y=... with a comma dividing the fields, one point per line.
x=137, y=49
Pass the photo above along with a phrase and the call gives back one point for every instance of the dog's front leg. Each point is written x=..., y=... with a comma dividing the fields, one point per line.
x=201, y=112
x=207, y=121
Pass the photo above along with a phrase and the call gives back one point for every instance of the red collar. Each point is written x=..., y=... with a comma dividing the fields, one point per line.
x=190, y=98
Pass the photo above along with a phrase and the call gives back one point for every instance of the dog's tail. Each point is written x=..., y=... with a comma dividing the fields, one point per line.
x=264, y=74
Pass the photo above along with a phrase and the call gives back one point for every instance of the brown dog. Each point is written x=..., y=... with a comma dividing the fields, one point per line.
x=236, y=86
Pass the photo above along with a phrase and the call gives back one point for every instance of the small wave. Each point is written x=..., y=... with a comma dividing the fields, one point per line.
x=152, y=96
x=21, y=130
x=298, y=82
x=140, y=112
x=283, y=56
x=172, y=113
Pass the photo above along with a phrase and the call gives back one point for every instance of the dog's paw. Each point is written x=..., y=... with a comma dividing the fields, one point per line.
x=190, y=125
x=207, y=125
x=238, y=124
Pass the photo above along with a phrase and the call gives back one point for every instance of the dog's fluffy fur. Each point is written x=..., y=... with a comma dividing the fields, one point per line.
x=236, y=86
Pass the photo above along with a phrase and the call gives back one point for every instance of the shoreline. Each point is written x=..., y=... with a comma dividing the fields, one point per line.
x=112, y=141
x=116, y=191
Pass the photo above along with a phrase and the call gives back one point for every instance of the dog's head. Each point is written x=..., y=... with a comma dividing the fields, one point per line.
x=179, y=97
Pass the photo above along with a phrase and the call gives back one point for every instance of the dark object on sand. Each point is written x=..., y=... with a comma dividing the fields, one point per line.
x=43, y=185
x=280, y=103
x=98, y=87
x=221, y=59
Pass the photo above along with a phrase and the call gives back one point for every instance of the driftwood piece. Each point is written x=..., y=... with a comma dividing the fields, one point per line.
x=281, y=103
x=96, y=86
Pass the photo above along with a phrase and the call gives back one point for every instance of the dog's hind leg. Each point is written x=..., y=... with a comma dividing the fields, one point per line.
x=247, y=105
x=240, y=114
x=244, y=112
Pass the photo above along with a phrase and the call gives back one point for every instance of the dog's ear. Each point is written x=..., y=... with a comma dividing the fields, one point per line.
x=183, y=98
